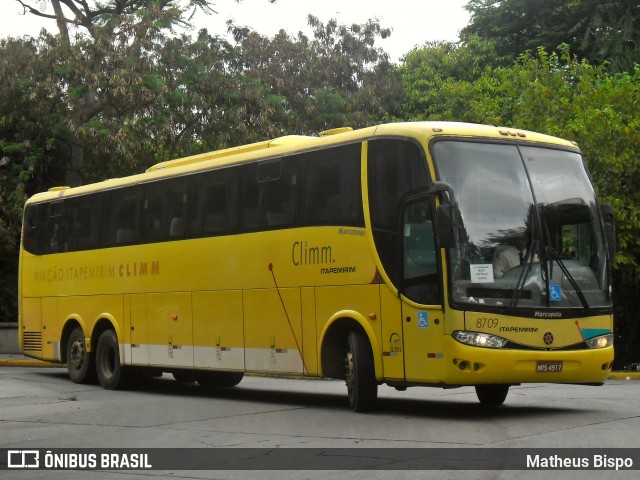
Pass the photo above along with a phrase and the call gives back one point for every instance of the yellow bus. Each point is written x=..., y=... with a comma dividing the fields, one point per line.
x=407, y=254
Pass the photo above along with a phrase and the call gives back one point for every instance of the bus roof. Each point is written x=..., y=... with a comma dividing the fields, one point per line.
x=285, y=145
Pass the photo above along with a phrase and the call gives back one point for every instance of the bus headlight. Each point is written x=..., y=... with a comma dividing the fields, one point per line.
x=479, y=339
x=602, y=341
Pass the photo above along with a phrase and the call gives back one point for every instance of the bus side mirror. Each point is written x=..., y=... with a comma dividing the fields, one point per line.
x=446, y=226
x=608, y=219
x=445, y=215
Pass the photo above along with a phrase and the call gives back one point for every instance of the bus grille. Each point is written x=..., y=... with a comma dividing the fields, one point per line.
x=32, y=341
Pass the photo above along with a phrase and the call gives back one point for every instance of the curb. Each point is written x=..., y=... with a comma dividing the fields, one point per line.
x=624, y=376
x=28, y=363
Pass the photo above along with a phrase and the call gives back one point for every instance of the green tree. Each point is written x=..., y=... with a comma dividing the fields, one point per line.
x=304, y=85
x=596, y=30
x=558, y=94
x=83, y=108
x=438, y=79
x=30, y=121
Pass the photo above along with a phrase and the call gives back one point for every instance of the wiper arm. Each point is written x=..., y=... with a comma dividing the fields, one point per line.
x=526, y=264
x=556, y=258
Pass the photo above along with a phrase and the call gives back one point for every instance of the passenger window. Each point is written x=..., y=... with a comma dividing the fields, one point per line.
x=213, y=203
x=122, y=216
x=269, y=194
x=83, y=220
x=330, y=191
x=164, y=210
x=56, y=227
x=30, y=231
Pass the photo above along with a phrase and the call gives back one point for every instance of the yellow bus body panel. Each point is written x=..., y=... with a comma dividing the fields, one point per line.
x=266, y=301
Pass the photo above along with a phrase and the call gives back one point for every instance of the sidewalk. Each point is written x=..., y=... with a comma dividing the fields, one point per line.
x=19, y=360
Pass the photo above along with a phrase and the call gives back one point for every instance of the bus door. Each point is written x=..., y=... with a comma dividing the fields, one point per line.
x=420, y=293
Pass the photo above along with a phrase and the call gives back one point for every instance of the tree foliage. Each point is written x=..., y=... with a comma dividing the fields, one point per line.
x=558, y=94
x=596, y=30
x=338, y=77
x=438, y=78
x=31, y=118
x=132, y=93
x=117, y=89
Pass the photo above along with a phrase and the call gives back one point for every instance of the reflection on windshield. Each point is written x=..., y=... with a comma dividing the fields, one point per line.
x=529, y=231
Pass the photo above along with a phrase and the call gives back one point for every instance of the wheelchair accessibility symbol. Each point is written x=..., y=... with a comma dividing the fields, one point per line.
x=555, y=293
x=423, y=319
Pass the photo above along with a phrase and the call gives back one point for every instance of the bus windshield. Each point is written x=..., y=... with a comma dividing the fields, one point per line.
x=529, y=231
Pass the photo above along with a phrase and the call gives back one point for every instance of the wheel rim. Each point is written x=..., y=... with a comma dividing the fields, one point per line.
x=77, y=354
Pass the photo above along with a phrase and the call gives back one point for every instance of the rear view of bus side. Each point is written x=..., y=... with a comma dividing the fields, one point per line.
x=409, y=254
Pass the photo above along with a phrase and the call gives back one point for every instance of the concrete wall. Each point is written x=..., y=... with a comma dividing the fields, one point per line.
x=9, y=338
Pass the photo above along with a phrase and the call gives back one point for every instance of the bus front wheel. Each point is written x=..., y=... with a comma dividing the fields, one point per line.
x=79, y=361
x=110, y=373
x=492, y=395
x=362, y=388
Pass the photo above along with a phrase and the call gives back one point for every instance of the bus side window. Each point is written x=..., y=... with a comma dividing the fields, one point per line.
x=269, y=194
x=57, y=228
x=31, y=237
x=122, y=216
x=420, y=269
x=330, y=190
x=213, y=201
x=82, y=219
x=164, y=210
x=395, y=168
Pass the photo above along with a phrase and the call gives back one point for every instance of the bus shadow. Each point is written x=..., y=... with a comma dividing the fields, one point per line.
x=437, y=408
x=455, y=409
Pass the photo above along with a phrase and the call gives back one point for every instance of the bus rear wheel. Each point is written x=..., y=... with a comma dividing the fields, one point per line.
x=111, y=373
x=492, y=395
x=80, y=365
x=362, y=388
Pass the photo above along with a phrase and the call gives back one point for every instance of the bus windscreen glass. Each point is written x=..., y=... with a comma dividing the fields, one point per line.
x=529, y=232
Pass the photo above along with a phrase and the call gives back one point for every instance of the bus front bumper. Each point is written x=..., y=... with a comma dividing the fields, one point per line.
x=468, y=365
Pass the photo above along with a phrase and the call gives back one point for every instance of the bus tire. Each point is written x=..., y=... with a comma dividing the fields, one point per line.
x=110, y=373
x=219, y=379
x=492, y=395
x=80, y=362
x=362, y=388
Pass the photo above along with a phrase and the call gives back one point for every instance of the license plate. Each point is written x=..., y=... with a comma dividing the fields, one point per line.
x=551, y=367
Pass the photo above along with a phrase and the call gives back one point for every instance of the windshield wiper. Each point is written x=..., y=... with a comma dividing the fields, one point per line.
x=556, y=258
x=526, y=266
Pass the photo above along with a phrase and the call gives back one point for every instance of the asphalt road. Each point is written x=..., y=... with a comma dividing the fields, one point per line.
x=40, y=408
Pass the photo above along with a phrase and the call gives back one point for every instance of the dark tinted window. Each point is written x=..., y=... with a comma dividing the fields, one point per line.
x=38, y=229
x=82, y=221
x=214, y=196
x=330, y=190
x=272, y=195
x=122, y=215
x=395, y=167
x=164, y=210
x=269, y=192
